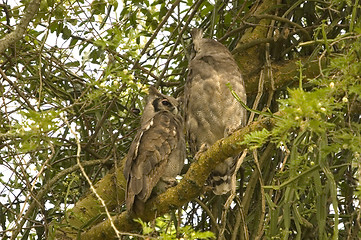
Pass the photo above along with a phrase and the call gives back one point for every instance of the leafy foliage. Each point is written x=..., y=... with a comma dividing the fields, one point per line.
x=163, y=229
x=82, y=71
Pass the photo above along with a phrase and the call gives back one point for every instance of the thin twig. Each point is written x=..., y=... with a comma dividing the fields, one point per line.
x=31, y=193
x=209, y=212
x=250, y=44
x=233, y=192
x=117, y=232
x=240, y=219
x=281, y=19
x=15, y=86
x=170, y=57
x=263, y=201
x=155, y=33
x=100, y=123
x=258, y=97
x=46, y=188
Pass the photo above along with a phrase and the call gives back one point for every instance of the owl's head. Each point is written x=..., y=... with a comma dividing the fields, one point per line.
x=162, y=102
x=197, y=36
x=205, y=46
x=158, y=102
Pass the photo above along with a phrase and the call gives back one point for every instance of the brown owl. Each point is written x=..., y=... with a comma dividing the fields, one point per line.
x=211, y=112
x=157, y=153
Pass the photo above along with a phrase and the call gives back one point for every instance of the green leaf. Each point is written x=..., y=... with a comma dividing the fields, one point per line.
x=256, y=139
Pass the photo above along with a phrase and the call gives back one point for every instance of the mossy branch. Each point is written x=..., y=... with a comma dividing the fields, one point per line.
x=188, y=188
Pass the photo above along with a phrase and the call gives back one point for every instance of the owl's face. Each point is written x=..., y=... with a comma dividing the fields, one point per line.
x=165, y=104
x=158, y=102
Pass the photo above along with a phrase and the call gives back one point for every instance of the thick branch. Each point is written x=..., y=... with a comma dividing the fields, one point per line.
x=284, y=73
x=251, y=59
x=20, y=30
x=281, y=19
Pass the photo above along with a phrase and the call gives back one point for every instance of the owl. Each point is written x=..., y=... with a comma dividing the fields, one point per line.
x=211, y=112
x=157, y=153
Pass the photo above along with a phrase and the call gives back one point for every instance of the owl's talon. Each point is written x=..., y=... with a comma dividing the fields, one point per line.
x=207, y=188
x=170, y=182
x=202, y=149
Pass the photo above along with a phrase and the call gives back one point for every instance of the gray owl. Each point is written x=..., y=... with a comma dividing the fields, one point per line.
x=157, y=153
x=211, y=112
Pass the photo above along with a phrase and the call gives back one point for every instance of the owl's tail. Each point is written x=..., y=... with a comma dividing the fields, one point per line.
x=221, y=177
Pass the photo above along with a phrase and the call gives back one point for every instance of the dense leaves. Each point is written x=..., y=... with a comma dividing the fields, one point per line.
x=72, y=89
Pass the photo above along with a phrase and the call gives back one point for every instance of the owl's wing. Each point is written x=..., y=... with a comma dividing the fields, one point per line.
x=148, y=156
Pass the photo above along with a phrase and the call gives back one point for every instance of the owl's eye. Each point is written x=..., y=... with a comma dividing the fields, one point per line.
x=166, y=103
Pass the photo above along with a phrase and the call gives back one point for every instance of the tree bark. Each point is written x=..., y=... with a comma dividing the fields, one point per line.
x=20, y=30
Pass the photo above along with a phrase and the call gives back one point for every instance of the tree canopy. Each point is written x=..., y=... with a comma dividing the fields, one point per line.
x=74, y=75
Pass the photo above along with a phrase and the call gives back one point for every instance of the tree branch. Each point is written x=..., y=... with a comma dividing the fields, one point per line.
x=281, y=19
x=284, y=73
x=20, y=30
x=252, y=57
